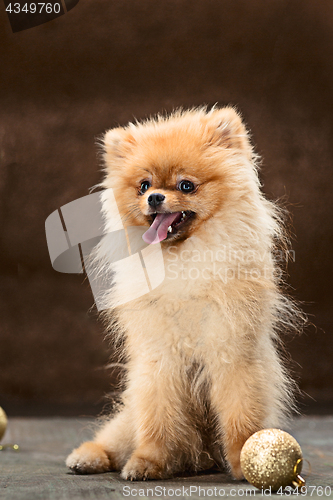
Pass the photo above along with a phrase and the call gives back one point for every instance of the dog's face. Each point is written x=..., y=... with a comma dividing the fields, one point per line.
x=173, y=174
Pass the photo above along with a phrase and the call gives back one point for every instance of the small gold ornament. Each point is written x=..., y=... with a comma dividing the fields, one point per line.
x=3, y=423
x=272, y=458
x=3, y=427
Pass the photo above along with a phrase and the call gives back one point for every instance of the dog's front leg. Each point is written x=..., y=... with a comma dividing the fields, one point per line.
x=158, y=400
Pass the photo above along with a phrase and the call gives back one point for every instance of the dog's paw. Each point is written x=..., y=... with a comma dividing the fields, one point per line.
x=237, y=472
x=142, y=469
x=89, y=458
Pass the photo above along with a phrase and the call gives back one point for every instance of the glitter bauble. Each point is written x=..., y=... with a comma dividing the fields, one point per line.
x=271, y=458
x=3, y=422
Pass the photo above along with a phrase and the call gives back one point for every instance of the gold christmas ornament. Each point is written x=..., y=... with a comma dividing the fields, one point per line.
x=272, y=458
x=3, y=427
x=3, y=423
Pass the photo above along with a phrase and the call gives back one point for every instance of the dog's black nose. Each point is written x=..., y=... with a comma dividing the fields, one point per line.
x=155, y=199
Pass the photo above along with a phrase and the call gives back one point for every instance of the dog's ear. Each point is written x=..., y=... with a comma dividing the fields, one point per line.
x=117, y=143
x=227, y=130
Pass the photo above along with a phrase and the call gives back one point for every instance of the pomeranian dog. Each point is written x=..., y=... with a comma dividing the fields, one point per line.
x=202, y=352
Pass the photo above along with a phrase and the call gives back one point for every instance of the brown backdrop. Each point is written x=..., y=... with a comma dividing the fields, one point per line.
x=64, y=82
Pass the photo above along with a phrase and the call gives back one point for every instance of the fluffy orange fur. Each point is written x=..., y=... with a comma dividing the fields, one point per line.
x=203, y=369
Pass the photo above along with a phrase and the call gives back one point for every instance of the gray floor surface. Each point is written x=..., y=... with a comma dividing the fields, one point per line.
x=38, y=472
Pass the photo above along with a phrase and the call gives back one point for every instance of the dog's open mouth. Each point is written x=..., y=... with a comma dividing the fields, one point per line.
x=165, y=225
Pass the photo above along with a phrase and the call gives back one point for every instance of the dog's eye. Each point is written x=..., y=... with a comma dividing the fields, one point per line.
x=145, y=185
x=186, y=186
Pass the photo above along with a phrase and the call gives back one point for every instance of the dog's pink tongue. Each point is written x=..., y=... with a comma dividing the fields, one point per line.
x=158, y=231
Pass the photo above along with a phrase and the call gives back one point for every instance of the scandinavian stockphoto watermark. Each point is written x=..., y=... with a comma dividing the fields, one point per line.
x=220, y=492
x=186, y=491
x=24, y=14
x=226, y=263
x=80, y=239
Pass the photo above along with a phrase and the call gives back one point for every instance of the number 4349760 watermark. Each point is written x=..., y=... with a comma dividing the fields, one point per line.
x=32, y=8
x=23, y=15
